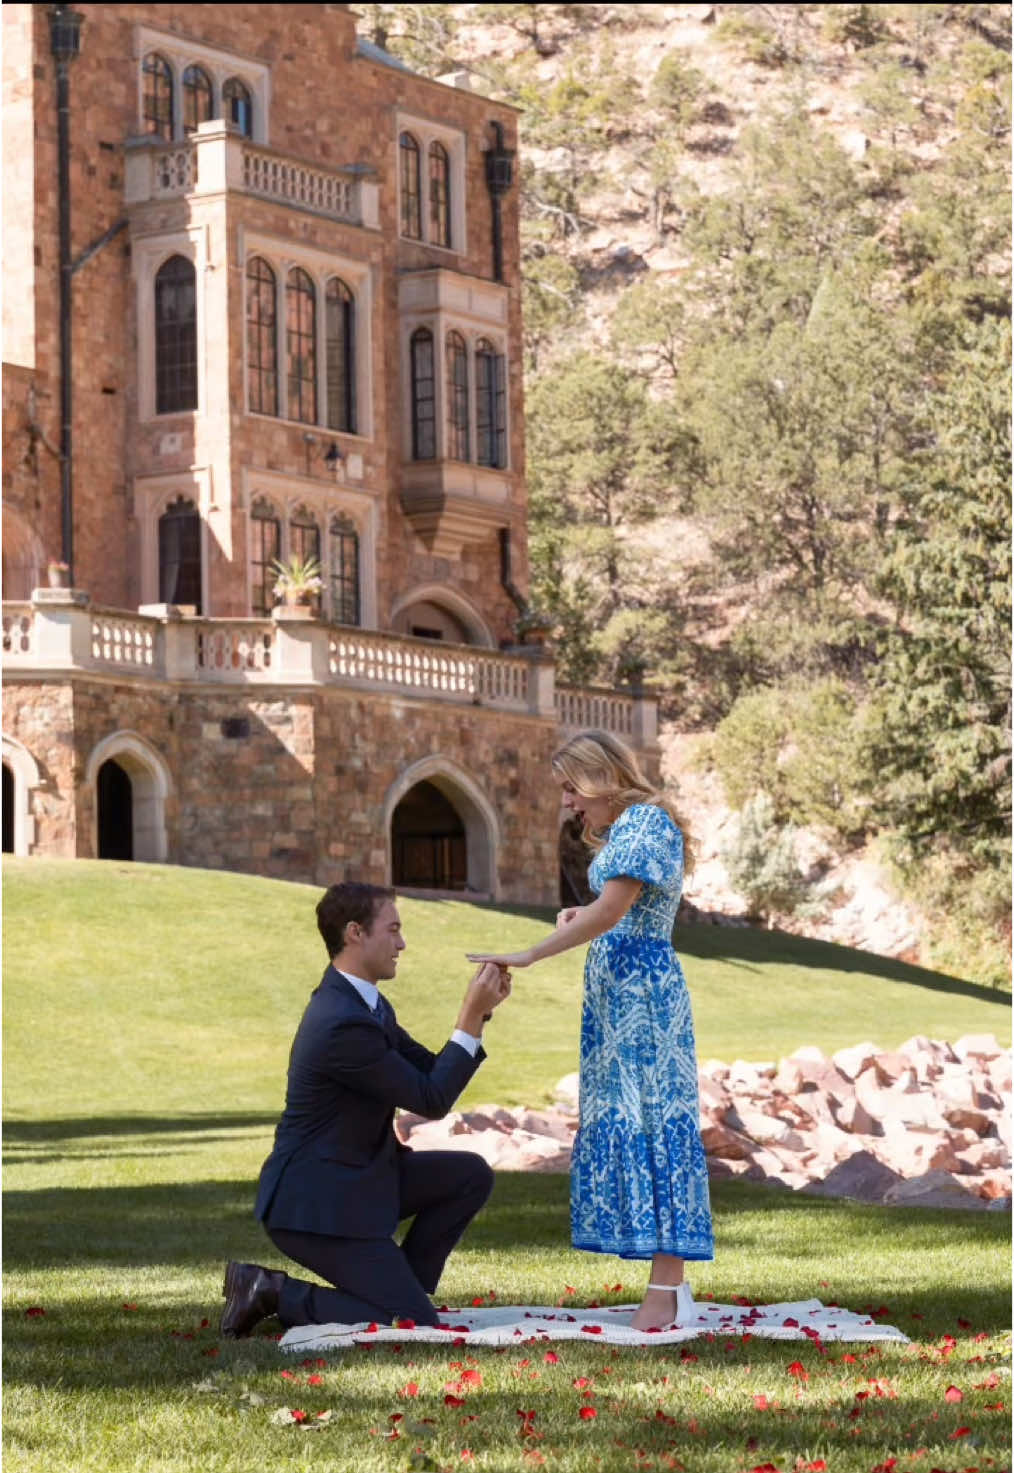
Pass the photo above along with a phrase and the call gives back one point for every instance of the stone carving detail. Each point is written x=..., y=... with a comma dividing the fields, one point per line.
x=234, y=648
x=175, y=172
x=17, y=636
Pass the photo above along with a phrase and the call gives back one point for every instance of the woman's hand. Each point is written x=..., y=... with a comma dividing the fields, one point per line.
x=566, y=917
x=502, y=959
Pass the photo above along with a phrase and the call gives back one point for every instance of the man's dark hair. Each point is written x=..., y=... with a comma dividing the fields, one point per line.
x=350, y=901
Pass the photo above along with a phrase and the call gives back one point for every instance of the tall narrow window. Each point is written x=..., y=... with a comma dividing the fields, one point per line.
x=490, y=405
x=424, y=409
x=411, y=202
x=301, y=346
x=175, y=336
x=261, y=337
x=179, y=554
x=340, y=319
x=457, y=397
x=237, y=105
x=304, y=540
x=197, y=98
x=440, y=195
x=344, y=571
x=265, y=547
x=158, y=96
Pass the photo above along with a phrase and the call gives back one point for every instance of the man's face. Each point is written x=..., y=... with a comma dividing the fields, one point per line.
x=380, y=946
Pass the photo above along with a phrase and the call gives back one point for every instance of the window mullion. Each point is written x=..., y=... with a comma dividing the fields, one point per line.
x=281, y=339
x=176, y=121
x=320, y=352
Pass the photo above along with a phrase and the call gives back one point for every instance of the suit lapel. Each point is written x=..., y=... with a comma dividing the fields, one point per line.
x=384, y=1014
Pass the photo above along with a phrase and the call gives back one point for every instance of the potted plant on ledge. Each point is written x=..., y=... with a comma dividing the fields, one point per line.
x=58, y=573
x=534, y=627
x=297, y=586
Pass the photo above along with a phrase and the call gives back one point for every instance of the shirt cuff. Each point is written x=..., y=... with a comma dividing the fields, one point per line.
x=467, y=1042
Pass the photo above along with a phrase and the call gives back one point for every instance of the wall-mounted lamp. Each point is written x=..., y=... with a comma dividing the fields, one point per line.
x=499, y=176
x=334, y=456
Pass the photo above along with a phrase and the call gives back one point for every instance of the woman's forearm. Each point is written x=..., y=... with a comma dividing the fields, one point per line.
x=591, y=920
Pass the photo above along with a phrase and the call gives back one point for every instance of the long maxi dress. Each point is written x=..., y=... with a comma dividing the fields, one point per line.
x=639, y=1179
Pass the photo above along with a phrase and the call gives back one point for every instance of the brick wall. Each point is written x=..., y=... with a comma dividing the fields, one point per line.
x=328, y=107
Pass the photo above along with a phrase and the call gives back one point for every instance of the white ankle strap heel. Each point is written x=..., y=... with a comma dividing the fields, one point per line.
x=684, y=1298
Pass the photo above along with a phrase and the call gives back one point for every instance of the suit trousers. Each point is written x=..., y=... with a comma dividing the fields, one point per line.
x=375, y=1278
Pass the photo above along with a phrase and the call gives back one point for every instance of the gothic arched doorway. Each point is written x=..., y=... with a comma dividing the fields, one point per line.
x=115, y=794
x=429, y=850
x=574, y=859
x=8, y=810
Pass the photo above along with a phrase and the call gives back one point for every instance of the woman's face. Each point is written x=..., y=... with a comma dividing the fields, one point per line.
x=598, y=813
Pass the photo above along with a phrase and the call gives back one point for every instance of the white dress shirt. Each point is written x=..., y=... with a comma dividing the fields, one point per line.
x=370, y=994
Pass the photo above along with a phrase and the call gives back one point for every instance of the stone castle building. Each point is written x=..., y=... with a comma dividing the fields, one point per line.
x=262, y=302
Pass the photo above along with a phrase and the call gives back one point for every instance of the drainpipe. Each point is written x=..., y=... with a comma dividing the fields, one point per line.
x=516, y=596
x=499, y=173
x=65, y=44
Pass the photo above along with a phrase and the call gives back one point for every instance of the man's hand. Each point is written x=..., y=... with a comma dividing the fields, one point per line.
x=486, y=991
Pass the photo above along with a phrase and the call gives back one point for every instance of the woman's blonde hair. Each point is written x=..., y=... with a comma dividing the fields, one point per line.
x=598, y=765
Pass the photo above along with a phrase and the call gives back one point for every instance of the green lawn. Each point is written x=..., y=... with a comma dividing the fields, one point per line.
x=148, y=1013
x=147, y=989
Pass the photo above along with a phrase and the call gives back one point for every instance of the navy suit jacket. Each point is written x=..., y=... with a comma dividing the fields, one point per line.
x=334, y=1166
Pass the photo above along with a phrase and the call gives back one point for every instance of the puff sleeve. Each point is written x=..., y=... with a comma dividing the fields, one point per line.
x=644, y=844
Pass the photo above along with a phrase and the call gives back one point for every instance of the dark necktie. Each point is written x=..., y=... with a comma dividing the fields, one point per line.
x=385, y=1013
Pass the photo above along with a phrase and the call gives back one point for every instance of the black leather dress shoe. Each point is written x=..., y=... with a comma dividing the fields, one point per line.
x=251, y=1295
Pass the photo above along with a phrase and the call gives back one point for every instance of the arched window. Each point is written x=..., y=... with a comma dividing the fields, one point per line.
x=340, y=320
x=301, y=346
x=490, y=405
x=344, y=570
x=457, y=397
x=175, y=336
x=424, y=409
x=411, y=203
x=304, y=535
x=157, y=111
x=197, y=98
x=179, y=554
x=265, y=547
x=261, y=337
x=440, y=195
x=237, y=105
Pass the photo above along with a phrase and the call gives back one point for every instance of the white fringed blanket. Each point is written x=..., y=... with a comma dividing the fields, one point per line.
x=507, y=1324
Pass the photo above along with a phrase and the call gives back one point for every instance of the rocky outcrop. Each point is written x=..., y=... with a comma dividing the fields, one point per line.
x=927, y=1124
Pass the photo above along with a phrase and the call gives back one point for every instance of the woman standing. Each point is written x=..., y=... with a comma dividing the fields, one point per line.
x=639, y=1181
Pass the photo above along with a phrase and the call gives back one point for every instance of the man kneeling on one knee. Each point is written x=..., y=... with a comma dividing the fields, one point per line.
x=338, y=1180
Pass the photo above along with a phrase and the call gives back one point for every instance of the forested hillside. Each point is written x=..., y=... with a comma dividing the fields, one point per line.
x=767, y=302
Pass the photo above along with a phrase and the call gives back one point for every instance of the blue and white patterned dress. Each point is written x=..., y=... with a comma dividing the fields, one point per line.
x=639, y=1179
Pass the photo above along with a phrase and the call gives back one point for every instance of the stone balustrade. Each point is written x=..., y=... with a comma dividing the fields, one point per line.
x=60, y=632
x=216, y=159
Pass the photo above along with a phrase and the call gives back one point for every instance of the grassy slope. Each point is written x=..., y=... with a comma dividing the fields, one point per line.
x=148, y=1015
x=162, y=990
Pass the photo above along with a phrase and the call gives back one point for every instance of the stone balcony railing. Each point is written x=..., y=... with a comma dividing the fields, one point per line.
x=216, y=160
x=60, y=633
